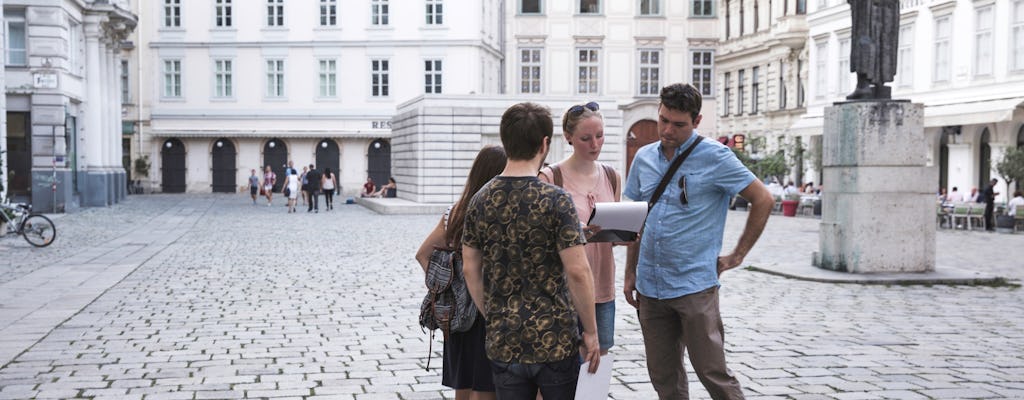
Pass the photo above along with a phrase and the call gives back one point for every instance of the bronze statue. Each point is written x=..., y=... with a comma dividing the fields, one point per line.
x=873, y=42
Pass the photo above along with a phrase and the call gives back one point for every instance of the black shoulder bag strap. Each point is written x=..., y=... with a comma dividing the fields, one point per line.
x=671, y=171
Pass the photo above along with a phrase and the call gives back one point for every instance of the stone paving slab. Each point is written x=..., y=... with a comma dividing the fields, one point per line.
x=253, y=302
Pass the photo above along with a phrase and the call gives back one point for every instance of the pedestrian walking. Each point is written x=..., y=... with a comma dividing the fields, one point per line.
x=538, y=288
x=313, y=179
x=672, y=272
x=305, y=185
x=269, y=179
x=328, y=183
x=291, y=188
x=465, y=365
x=988, y=196
x=590, y=182
x=254, y=185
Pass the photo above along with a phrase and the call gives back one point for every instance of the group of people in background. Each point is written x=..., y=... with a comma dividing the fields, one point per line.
x=371, y=190
x=310, y=184
x=546, y=296
x=987, y=196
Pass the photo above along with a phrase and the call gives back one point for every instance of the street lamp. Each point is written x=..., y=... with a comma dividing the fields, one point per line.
x=323, y=144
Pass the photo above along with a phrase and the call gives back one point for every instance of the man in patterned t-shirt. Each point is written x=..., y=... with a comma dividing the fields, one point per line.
x=523, y=258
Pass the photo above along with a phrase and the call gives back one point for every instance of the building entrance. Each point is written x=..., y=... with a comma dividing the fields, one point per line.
x=224, y=171
x=172, y=160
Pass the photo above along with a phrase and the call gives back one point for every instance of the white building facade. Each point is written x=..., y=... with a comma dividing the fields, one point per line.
x=223, y=87
x=62, y=134
x=761, y=70
x=620, y=50
x=963, y=59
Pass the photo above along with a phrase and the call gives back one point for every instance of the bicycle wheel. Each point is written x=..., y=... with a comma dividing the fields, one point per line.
x=38, y=230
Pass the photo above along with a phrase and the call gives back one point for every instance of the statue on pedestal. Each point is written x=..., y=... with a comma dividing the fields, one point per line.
x=873, y=42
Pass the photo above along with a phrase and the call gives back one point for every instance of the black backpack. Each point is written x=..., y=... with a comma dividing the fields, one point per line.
x=447, y=305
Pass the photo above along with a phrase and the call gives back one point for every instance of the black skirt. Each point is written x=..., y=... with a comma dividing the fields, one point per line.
x=465, y=361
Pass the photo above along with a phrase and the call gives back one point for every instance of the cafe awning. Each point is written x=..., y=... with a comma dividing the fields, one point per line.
x=971, y=112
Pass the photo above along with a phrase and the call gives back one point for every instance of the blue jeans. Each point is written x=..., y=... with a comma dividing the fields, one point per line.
x=555, y=380
x=605, y=313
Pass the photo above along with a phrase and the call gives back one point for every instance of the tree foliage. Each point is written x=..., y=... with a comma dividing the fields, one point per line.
x=1011, y=166
x=774, y=165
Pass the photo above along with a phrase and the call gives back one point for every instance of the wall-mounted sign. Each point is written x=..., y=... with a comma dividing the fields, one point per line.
x=385, y=124
x=44, y=80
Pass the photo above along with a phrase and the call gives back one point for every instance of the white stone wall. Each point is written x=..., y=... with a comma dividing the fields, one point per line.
x=436, y=139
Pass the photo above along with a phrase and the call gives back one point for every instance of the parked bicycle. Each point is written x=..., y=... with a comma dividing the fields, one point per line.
x=37, y=229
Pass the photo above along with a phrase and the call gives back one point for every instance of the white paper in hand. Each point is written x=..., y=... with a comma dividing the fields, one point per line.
x=595, y=386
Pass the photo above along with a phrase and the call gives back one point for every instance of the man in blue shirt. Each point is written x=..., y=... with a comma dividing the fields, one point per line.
x=672, y=271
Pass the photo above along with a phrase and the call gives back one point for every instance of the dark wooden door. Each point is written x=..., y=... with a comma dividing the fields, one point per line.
x=379, y=161
x=275, y=154
x=640, y=134
x=327, y=156
x=172, y=160
x=19, y=154
x=224, y=170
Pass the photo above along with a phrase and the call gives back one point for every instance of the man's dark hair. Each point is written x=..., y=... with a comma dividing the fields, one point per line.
x=682, y=97
x=523, y=129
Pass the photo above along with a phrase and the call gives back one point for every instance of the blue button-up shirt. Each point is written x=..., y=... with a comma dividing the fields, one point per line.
x=681, y=243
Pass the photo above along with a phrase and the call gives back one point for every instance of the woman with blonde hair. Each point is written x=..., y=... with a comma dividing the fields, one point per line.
x=590, y=182
x=466, y=367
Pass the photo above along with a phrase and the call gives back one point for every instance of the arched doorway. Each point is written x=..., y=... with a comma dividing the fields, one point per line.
x=172, y=160
x=224, y=171
x=984, y=160
x=640, y=134
x=327, y=156
x=275, y=154
x=379, y=161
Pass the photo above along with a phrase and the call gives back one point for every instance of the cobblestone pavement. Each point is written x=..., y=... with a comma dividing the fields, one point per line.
x=216, y=298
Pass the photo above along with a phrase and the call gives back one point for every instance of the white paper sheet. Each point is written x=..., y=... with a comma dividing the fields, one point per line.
x=621, y=220
x=595, y=386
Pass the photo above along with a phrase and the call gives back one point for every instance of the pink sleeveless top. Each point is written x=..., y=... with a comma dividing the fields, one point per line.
x=602, y=261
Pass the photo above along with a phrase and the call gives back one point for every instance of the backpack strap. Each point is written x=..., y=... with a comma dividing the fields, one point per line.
x=556, y=175
x=611, y=178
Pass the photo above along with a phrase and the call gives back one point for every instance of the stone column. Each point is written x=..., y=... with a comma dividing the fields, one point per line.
x=878, y=206
x=94, y=188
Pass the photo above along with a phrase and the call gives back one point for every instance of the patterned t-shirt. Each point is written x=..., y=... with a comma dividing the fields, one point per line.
x=520, y=224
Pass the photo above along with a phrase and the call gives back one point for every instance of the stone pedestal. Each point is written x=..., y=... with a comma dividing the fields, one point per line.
x=878, y=211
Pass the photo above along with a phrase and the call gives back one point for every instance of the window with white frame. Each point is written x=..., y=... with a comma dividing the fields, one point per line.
x=782, y=85
x=1018, y=36
x=983, y=41
x=727, y=93
x=379, y=12
x=172, y=78
x=222, y=79
x=432, y=76
x=741, y=92
x=275, y=78
x=328, y=12
x=172, y=13
x=530, y=6
x=905, y=57
x=702, y=8
x=587, y=76
x=435, y=12
x=379, y=78
x=75, y=47
x=530, y=70
x=755, y=89
x=650, y=72
x=650, y=7
x=943, y=32
x=589, y=6
x=843, y=73
x=126, y=97
x=222, y=13
x=328, y=77
x=275, y=12
x=701, y=70
x=820, y=69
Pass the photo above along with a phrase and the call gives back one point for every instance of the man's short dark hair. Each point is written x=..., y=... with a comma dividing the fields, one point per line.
x=682, y=97
x=523, y=129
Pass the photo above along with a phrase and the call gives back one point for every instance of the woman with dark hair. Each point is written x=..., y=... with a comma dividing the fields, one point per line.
x=466, y=367
x=328, y=182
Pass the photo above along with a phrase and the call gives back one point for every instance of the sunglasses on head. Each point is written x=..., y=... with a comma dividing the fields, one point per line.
x=578, y=109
